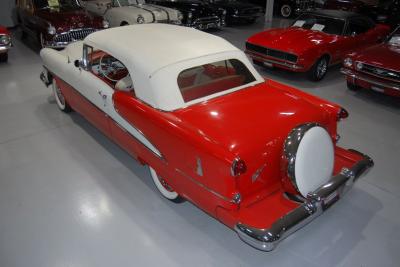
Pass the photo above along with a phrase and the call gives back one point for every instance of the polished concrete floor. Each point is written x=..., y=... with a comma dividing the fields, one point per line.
x=71, y=198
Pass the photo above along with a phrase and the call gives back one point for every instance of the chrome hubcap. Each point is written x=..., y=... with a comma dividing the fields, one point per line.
x=286, y=11
x=165, y=184
x=321, y=68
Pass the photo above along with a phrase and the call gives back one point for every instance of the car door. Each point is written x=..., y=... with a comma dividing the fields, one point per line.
x=92, y=95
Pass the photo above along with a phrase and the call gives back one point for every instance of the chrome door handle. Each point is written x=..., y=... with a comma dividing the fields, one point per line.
x=104, y=96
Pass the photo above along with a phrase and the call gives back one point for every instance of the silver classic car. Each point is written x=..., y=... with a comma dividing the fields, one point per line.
x=128, y=12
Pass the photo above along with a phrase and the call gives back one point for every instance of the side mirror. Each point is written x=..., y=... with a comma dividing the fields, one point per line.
x=78, y=63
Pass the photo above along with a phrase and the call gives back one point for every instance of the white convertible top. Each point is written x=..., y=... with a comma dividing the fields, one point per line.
x=156, y=53
x=154, y=46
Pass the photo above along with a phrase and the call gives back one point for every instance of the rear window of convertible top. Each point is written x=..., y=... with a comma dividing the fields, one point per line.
x=209, y=79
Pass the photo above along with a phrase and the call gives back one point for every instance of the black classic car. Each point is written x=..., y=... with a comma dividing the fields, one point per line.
x=56, y=23
x=286, y=8
x=237, y=11
x=386, y=11
x=196, y=13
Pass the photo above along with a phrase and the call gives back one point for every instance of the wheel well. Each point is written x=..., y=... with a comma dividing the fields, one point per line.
x=124, y=23
x=326, y=56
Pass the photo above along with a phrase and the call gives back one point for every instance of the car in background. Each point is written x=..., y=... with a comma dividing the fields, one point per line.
x=5, y=43
x=196, y=13
x=56, y=23
x=128, y=12
x=237, y=11
x=376, y=68
x=257, y=155
x=286, y=8
x=314, y=41
x=386, y=11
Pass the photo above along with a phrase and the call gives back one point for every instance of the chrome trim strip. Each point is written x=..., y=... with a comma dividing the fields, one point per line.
x=262, y=58
x=315, y=204
x=204, y=186
x=160, y=8
x=356, y=76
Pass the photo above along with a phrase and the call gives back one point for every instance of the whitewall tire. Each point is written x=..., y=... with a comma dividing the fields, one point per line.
x=164, y=188
x=59, y=97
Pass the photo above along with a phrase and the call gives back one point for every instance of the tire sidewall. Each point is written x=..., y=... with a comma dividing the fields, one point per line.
x=286, y=6
x=61, y=106
x=164, y=192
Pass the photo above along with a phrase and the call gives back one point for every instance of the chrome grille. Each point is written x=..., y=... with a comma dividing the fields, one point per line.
x=206, y=20
x=380, y=72
x=73, y=35
x=272, y=52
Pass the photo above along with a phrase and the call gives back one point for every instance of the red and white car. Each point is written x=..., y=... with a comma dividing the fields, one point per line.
x=259, y=156
x=5, y=43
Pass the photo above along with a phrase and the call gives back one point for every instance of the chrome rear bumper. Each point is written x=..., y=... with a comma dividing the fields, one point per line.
x=315, y=204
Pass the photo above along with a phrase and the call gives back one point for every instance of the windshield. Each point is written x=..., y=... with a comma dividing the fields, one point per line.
x=320, y=23
x=40, y=4
x=395, y=38
x=213, y=78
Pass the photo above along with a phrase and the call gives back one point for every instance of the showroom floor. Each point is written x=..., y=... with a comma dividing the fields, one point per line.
x=71, y=198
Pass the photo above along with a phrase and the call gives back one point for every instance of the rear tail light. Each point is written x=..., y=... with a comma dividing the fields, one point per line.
x=238, y=167
x=342, y=114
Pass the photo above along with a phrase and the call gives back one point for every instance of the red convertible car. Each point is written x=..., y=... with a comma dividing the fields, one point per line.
x=5, y=43
x=376, y=68
x=259, y=156
x=314, y=41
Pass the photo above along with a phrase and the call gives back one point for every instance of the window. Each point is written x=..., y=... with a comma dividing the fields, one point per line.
x=109, y=69
x=213, y=78
x=320, y=23
x=359, y=25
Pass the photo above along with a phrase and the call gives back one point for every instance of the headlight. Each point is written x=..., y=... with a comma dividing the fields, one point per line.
x=140, y=19
x=189, y=15
x=236, y=12
x=5, y=39
x=106, y=24
x=308, y=159
x=51, y=30
x=180, y=16
x=348, y=62
x=359, y=65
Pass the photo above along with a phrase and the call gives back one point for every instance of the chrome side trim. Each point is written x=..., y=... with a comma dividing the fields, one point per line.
x=205, y=187
x=314, y=205
x=356, y=76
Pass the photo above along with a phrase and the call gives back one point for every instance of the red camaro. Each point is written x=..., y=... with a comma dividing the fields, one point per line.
x=314, y=41
x=376, y=68
x=5, y=44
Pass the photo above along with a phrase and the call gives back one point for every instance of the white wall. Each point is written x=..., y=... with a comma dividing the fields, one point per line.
x=6, y=8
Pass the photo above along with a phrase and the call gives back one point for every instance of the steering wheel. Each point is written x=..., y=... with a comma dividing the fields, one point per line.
x=109, y=67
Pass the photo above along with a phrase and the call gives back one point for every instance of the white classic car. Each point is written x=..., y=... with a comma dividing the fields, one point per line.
x=128, y=12
x=259, y=156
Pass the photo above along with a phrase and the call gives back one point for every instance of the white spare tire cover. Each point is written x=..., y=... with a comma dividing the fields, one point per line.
x=313, y=159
